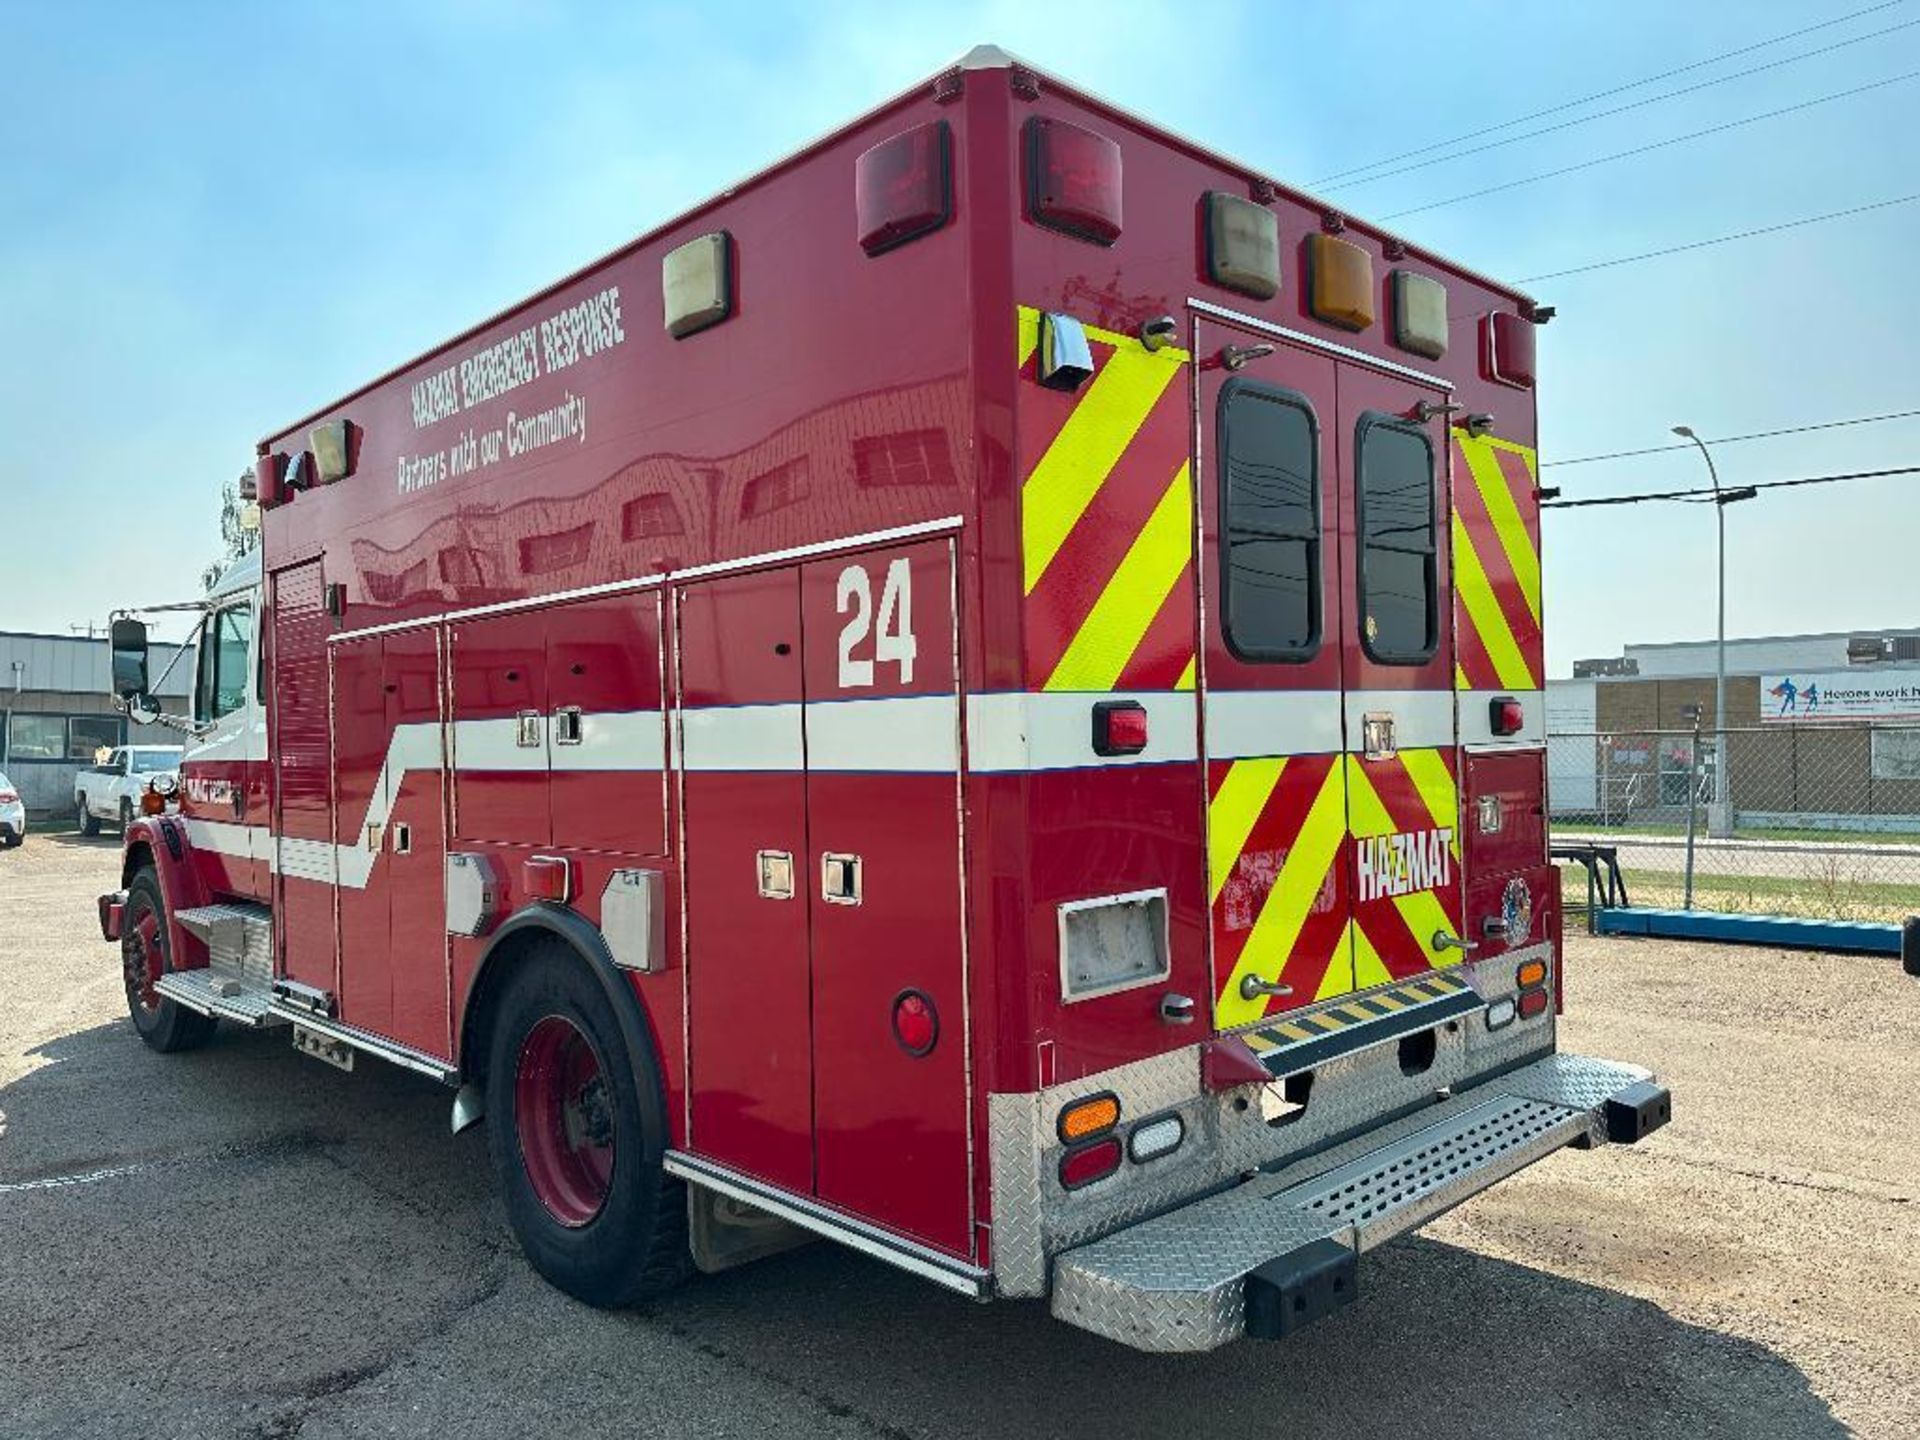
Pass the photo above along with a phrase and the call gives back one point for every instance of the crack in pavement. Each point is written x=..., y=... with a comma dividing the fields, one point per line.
x=1858, y=1190
x=292, y=1142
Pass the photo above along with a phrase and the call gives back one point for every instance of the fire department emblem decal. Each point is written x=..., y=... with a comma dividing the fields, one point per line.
x=1516, y=909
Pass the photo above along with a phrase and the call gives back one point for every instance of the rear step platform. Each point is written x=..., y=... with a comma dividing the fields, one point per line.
x=1265, y=1257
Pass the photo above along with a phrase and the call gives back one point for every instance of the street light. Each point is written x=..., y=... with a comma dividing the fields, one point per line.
x=1720, y=813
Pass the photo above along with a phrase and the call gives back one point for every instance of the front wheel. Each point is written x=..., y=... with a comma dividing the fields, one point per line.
x=164, y=1024
x=89, y=822
x=577, y=1127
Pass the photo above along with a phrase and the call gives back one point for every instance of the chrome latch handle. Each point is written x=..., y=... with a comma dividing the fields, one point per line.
x=1442, y=941
x=1252, y=987
x=1177, y=1009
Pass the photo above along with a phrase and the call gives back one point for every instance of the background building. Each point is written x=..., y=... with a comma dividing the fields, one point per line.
x=56, y=711
x=1823, y=731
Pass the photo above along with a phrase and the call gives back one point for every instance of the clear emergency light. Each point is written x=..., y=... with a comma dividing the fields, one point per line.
x=332, y=451
x=1419, y=314
x=696, y=283
x=903, y=187
x=1243, y=245
x=1073, y=180
x=1340, y=282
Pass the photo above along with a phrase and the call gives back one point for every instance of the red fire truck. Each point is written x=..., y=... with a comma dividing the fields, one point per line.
x=977, y=695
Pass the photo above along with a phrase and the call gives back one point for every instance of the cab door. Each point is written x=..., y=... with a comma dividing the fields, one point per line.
x=1274, y=605
x=1402, y=746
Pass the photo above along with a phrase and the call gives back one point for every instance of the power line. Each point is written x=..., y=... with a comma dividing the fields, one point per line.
x=1735, y=439
x=1709, y=494
x=1621, y=109
x=1720, y=239
x=1606, y=94
x=1656, y=145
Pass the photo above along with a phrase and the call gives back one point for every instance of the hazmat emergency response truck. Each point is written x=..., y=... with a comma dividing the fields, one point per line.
x=977, y=695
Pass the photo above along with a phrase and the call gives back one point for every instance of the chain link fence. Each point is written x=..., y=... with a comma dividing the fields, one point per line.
x=1819, y=820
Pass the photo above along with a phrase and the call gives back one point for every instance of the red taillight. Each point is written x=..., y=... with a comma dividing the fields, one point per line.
x=548, y=877
x=1119, y=727
x=1073, y=180
x=903, y=187
x=916, y=1024
x=9, y=797
x=1509, y=349
x=1533, y=1003
x=1506, y=715
x=1085, y=1164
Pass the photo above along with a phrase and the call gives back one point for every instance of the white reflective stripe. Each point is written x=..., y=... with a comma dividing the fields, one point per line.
x=1422, y=719
x=614, y=740
x=1476, y=717
x=222, y=837
x=742, y=737
x=491, y=745
x=1010, y=732
x=901, y=734
x=1246, y=723
x=305, y=860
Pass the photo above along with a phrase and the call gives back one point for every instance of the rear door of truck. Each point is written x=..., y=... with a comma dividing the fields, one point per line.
x=1327, y=689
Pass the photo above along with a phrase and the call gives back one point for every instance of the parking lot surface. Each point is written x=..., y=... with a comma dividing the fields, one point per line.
x=242, y=1242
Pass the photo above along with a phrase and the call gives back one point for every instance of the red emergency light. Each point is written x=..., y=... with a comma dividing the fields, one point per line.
x=268, y=488
x=1506, y=715
x=903, y=187
x=1085, y=1164
x=916, y=1024
x=1073, y=180
x=1509, y=349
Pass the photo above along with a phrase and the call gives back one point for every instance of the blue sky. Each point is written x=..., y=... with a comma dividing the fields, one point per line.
x=215, y=217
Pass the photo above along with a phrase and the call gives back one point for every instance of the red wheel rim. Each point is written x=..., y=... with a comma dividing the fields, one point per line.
x=141, y=961
x=564, y=1118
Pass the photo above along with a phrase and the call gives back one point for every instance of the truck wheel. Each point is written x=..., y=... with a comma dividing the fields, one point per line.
x=89, y=822
x=577, y=1126
x=165, y=1025
x=126, y=816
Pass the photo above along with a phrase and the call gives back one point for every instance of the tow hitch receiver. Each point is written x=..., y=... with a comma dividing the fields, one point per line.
x=1637, y=1111
x=1300, y=1287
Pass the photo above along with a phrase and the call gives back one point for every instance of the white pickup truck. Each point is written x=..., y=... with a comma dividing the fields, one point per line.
x=110, y=791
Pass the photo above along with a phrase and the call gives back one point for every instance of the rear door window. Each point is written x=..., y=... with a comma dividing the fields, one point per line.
x=1399, y=604
x=1270, y=535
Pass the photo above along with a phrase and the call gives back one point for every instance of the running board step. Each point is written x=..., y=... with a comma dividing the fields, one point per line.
x=225, y=996
x=238, y=937
x=1226, y=1266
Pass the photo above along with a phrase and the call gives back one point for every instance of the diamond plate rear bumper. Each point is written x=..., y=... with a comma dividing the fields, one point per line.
x=1178, y=1282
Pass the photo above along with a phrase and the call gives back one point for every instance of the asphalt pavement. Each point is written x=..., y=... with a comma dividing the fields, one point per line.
x=242, y=1242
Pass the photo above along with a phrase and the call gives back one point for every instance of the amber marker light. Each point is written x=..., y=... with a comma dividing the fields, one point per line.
x=1084, y=1119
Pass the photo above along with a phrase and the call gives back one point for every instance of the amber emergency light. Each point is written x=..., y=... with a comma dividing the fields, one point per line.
x=1084, y=1119
x=1340, y=281
x=1073, y=180
x=903, y=187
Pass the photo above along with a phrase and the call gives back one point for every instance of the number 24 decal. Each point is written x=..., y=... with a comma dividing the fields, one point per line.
x=893, y=641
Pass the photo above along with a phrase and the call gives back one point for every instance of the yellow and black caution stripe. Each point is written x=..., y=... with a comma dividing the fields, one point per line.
x=1314, y=1037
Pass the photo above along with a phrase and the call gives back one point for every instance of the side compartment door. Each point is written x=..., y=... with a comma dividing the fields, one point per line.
x=1403, y=760
x=360, y=803
x=499, y=691
x=302, y=796
x=414, y=771
x=742, y=754
x=1274, y=610
x=883, y=861
x=606, y=734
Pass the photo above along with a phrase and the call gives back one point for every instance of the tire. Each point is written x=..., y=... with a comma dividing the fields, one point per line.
x=126, y=816
x=89, y=822
x=577, y=1128
x=8, y=839
x=1910, y=945
x=165, y=1025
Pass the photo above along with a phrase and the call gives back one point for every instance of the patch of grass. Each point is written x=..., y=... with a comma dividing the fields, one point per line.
x=1829, y=896
x=1745, y=832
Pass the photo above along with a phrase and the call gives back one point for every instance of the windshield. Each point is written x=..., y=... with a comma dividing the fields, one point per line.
x=148, y=762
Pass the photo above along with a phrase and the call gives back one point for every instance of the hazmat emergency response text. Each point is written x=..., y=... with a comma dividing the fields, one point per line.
x=564, y=338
